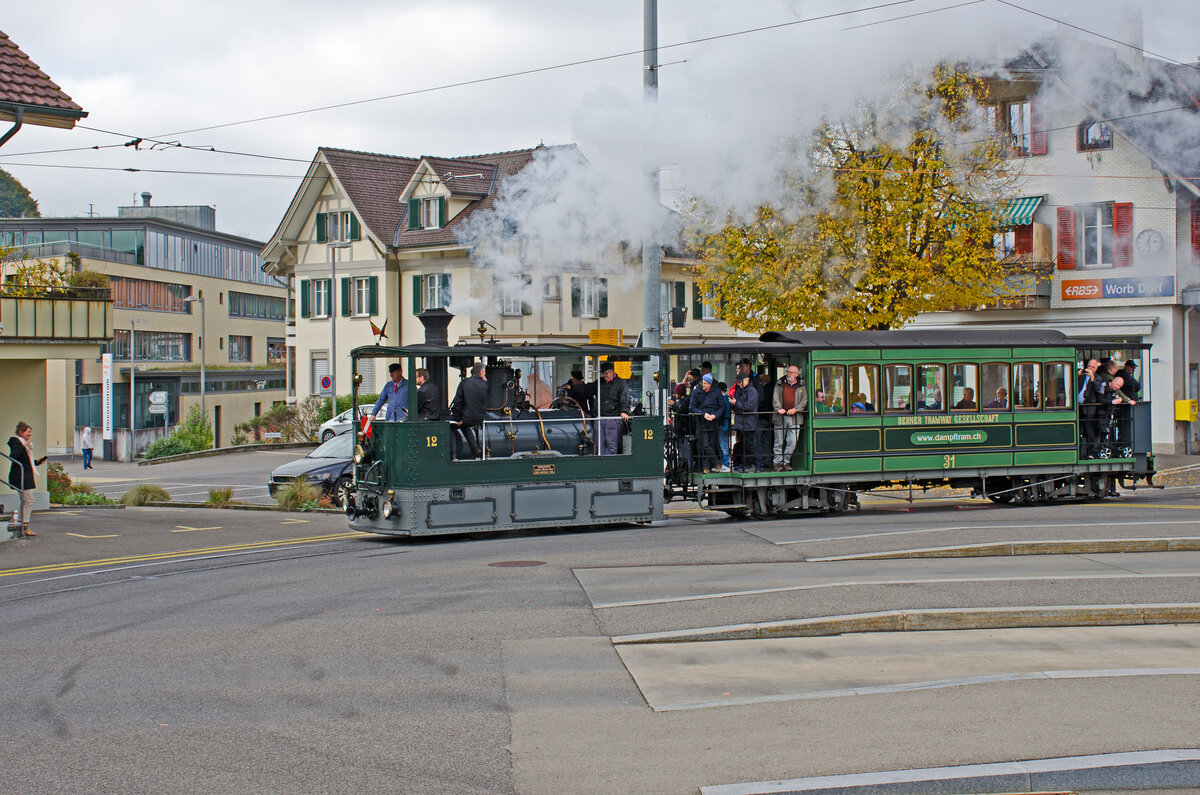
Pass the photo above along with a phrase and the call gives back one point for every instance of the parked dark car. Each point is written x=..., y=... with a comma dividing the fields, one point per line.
x=328, y=467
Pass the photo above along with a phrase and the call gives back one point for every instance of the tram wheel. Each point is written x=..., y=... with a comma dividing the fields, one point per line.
x=1001, y=499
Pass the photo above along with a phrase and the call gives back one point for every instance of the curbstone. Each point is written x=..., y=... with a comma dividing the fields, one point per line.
x=1077, y=546
x=933, y=620
x=241, y=448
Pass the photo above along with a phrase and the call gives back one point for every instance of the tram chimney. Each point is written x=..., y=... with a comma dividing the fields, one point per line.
x=437, y=323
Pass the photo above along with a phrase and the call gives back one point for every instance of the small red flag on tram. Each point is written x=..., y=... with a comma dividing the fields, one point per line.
x=366, y=426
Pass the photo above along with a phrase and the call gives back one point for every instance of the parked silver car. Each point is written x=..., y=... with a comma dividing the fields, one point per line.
x=340, y=424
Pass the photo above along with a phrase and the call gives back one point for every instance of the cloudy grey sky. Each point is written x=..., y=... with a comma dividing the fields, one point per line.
x=189, y=73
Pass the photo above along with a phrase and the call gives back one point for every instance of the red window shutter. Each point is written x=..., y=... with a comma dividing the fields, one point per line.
x=1122, y=234
x=1038, y=139
x=1196, y=231
x=1024, y=239
x=1066, y=238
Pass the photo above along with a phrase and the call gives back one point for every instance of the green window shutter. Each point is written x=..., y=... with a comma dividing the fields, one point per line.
x=347, y=294
x=320, y=227
x=373, y=296
x=304, y=291
x=602, y=299
x=697, y=304
x=414, y=213
x=416, y=282
x=442, y=219
x=575, y=288
x=526, y=307
x=721, y=306
x=680, y=294
x=444, y=290
x=355, y=229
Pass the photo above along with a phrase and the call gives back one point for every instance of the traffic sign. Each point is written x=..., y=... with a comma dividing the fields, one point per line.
x=158, y=408
x=158, y=399
x=326, y=383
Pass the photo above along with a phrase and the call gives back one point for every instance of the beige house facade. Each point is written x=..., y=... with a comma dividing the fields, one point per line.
x=1107, y=231
x=372, y=241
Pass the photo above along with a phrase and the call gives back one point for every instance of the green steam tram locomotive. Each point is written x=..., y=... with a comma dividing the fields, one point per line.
x=995, y=412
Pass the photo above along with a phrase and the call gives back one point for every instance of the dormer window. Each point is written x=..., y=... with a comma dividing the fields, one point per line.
x=427, y=213
x=1094, y=135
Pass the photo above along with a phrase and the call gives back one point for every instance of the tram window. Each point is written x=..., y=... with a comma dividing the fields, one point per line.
x=1058, y=380
x=964, y=387
x=1027, y=385
x=864, y=389
x=831, y=380
x=994, y=386
x=897, y=388
x=931, y=384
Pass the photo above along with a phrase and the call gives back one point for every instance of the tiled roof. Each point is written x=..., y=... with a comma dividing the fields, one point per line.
x=23, y=83
x=505, y=164
x=464, y=177
x=373, y=183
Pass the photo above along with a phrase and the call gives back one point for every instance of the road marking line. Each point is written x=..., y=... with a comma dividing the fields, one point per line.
x=80, y=535
x=252, y=546
x=182, y=528
x=294, y=521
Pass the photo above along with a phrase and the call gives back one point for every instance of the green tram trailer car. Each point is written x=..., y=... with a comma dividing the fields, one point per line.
x=993, y=411
x=539, y=467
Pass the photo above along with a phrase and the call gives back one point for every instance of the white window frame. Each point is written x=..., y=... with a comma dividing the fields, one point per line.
x=362, y=296
x=552, y=288
x=431, y=292
x=431, y=213
x=589, y=292
x=333, y=226
x=1095, y=221
x=345, y=223
x=320, y=298
x=1004, y=241
x=710, y=304
x=1018, y=120
x=510, y=298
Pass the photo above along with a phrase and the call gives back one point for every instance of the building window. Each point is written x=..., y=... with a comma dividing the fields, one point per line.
x=144, y=294
x=430, y=291
x=427, y=213
x=320, y=290
x=589, y=297
x=335, y=226
x=511, y=292
x=1094, y=135
x=153, y=346
x=551, y=288
x=362, y=296
x=256, y=307
x=276, y=351
x=1015, y=122
x=1096, y=236
x=239, y=348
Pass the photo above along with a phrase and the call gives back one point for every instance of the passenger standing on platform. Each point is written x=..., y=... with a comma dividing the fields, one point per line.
x=428, y=397
x=395, y=394
x=469, y=409
x=1133, y=387
x=790, y=402
x=614, y=400
x=706, y=408
x=744, y=402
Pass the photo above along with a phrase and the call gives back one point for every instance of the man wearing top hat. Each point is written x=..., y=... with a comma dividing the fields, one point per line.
x=614, y=400
x=395, y=394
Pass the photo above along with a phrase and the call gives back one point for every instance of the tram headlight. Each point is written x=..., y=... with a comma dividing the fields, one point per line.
x=359, y=454
x=390, y=509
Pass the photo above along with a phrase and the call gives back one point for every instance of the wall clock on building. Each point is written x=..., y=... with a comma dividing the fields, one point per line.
x=1148, y=242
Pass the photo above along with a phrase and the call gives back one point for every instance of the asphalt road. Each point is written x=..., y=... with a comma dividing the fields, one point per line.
x=229, y=651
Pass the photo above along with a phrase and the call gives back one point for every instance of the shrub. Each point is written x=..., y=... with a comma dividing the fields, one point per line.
x=219, y=497
x=83, y=487
x=89, y=279
x=143, y=493
x=170, y=445
x=196, y=430
x=305, y=420
x=58, y=483
x=299, y=495
x=86, y=498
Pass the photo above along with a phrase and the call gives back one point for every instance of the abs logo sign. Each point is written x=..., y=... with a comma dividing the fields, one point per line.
x=1076, y=289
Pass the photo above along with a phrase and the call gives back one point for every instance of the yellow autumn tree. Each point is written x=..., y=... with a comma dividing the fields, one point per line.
x=892, y=215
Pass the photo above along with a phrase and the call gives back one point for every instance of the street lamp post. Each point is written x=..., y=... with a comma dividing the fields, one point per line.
x=132, y=386
x=333, y=324
x=200, y=347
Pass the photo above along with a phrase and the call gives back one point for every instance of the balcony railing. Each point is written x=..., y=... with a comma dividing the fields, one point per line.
x=58, y=314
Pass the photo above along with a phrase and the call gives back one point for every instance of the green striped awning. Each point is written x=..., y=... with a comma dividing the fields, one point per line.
x=1019, y=212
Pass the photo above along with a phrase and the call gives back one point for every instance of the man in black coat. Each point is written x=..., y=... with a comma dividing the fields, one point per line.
x=1133, y=387
x=469, y=408
x=615, y=400
x=428, y=397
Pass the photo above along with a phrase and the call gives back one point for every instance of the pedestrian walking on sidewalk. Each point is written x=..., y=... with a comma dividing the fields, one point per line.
x=20, y=474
